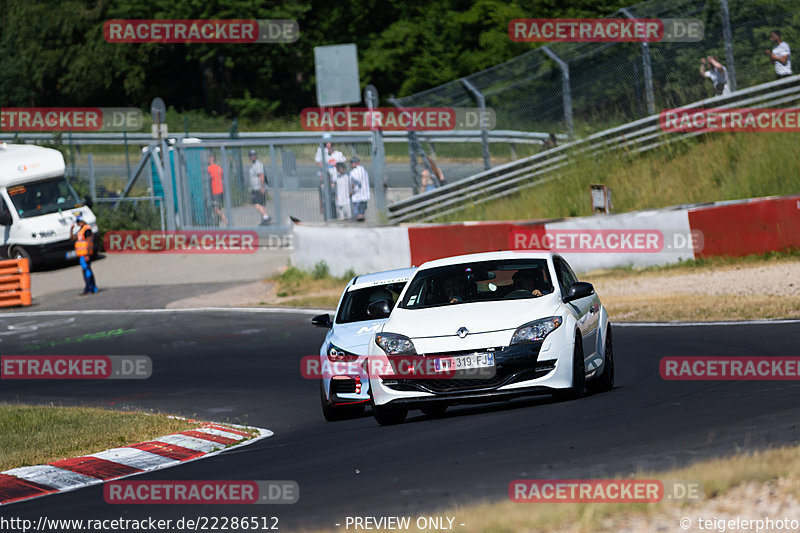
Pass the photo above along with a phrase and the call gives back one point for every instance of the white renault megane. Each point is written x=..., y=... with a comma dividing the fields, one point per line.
x=488, y=327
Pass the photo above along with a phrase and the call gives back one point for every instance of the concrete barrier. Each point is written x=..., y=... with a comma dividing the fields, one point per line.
x=673, y=234
x=362, y=249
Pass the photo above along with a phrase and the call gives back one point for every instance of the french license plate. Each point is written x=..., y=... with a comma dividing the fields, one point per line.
x=72, y=254
x=464, y=362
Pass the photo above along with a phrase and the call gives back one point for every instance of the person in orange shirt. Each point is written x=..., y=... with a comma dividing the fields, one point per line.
x=84, y=249
x=215, y=173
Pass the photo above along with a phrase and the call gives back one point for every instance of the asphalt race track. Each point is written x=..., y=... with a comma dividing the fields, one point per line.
x=245, y=367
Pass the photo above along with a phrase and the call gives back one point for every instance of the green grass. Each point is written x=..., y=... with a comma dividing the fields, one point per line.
x=718, y=167
x=31, y=435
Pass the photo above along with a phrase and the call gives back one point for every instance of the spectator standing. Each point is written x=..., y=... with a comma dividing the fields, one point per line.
x=427, y=181
x=360, y=184
x=258, y=187
x=717, y=73
x=780, y=55
x=327, y=160
x=343, y=192
x=215, y=175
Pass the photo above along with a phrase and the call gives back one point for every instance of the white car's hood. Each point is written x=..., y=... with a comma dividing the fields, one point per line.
x=355, y=336
x=478, y=317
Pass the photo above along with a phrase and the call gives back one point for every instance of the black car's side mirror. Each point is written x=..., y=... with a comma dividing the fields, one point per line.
x=5, y=218
x=322, y=321
x=379, y=309
x=578, y=290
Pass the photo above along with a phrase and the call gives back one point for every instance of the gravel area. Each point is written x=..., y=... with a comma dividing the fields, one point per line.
x=778, y=279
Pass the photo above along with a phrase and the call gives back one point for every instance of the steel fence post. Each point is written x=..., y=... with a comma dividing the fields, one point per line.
x=227, y=190
x=727, y=36
x=647, y=70
x=278, y=181
x=566, y=91
x=487, y=163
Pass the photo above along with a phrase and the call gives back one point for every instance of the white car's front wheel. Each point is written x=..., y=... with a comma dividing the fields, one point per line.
x=578, y=389
x=606, y=380
x=388, y=415
x=333, y=413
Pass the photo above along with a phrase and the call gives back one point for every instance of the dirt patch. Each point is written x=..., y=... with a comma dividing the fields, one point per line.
x=743, y=291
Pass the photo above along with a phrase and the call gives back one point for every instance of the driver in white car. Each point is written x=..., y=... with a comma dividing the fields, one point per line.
x=530, y=280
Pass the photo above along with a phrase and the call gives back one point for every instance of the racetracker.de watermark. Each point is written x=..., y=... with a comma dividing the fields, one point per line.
x=201, y=492
x=604, y=490
x=730, y=120
x=75, y=367
x=611, y=30
x=69, y=119
x=474, y=366
x=210, y=31
x=181, y=242
x=394, y=119
x=748, y=368
x=620, y=241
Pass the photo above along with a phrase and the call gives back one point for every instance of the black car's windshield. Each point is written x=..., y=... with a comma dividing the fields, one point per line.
x=478, y=282
x=43, y=197
x=355, y=302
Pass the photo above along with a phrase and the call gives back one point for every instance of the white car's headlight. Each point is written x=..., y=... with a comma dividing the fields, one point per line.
x=394, y=344
x=536, y=331
x=337, y=354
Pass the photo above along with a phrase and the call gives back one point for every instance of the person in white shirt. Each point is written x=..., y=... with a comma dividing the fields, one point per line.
x=258, y=187
x=717, y=73
x=780, y=55
x=329, y=161
x=343, y=211
x=360, y=183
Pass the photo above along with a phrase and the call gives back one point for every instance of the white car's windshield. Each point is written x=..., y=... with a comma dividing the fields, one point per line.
x=355, y=302
x=478, y=282
x=43, y=197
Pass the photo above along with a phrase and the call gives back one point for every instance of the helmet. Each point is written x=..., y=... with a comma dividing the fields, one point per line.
x=327, y=136
x=355, y=159
x=252, y=152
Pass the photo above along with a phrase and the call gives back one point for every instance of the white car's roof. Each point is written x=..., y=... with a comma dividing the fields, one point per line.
x=486, y=256
x=382, y=278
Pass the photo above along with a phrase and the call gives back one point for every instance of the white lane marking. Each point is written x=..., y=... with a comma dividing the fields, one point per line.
x=220, y=433
x=24, y=327
x=192, y=443
x=134, y=458
x=51, y=476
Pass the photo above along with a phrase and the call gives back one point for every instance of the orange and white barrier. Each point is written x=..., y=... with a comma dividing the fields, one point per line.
x=15, y=283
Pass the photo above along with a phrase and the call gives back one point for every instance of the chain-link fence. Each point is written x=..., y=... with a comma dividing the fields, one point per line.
x=613, y=83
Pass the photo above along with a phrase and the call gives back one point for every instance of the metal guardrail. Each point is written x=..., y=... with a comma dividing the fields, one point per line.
x=459, y=136
x=638, y=136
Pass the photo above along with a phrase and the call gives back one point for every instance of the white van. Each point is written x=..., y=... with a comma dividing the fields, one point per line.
x=37, y=205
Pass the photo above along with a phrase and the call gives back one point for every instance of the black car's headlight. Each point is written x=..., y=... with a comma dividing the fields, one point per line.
x=536, y=331
x=395, y=344
x=337, y=354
